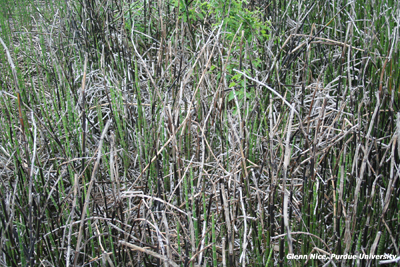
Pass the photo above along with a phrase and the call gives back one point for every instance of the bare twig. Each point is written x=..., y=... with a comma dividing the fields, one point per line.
x=151, y=253
x=92, y=181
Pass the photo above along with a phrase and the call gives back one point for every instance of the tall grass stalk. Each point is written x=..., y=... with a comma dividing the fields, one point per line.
x=185, y=133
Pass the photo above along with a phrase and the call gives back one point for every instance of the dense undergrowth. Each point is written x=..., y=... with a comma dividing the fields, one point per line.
x=198, y=133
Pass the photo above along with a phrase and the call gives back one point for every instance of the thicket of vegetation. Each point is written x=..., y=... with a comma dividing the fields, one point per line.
x=198, y=133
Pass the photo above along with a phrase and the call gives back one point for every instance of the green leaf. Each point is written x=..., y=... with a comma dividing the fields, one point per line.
x=240, y=94
x=237, y=76
x=231, y=95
